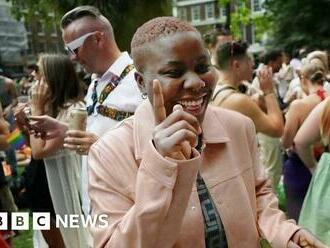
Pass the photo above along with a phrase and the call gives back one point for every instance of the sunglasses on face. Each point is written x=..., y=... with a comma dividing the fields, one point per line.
x=72, y=46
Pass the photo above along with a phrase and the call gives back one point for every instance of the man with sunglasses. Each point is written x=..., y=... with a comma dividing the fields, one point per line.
x=113, y=94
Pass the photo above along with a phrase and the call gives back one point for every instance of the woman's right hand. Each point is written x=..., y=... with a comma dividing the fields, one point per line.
x=174, y=135
x=39, y=97
x=265, y=76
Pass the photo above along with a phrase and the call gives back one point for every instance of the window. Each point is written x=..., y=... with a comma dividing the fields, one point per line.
x=222, y=12
x=53, y=29
x=41, y=47
x=195, y=13
x=182, y=13
x=30, y=47
x=40, y=28
x=28, y=27
x=255, y=37
x=256, y=5
x=52, y=47
x=209, y=11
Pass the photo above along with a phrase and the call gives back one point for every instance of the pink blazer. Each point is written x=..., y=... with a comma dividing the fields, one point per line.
x=151, y=201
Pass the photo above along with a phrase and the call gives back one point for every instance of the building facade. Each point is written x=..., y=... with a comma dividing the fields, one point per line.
x=13, y=42
x=22, y=41
x=43, y=37
x=205, y=14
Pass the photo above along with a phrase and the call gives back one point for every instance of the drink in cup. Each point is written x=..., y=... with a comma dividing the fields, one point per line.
x=78, y=119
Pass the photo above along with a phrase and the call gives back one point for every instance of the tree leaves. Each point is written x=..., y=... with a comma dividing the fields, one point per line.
x=300, y=23
x=125, y=15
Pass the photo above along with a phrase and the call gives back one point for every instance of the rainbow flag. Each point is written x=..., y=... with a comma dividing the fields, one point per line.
x=16, y=139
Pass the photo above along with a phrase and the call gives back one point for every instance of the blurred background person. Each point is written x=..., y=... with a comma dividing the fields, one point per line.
x=27, y=81
x=8, y=100
x=215, y=38
x=270, y=147
x=113, y=94
x=315, y=211
x=296, y=175
x=7, y=203
x=235, y=66
x=57, y=93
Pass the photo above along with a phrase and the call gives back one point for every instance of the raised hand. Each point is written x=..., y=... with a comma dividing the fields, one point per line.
x=175, y=135
x=39, y=96
x=265, y=76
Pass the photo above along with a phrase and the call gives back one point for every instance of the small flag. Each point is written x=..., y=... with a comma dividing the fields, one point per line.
x=16, y=139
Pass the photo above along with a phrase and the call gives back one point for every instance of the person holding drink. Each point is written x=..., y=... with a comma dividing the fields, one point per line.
x=57, y=94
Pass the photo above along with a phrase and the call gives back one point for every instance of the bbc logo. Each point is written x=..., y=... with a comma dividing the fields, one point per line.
x=21, y=221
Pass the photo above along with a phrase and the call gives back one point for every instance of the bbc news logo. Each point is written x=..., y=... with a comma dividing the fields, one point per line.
x=41, y=221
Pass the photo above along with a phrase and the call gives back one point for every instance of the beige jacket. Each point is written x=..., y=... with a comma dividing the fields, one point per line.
x=152, y=201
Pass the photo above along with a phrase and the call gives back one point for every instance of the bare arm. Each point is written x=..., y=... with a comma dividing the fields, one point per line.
x=12, y=91
x=264, y=123
x=269, y=122
x=3, y=131
x=274, y=116
x=292, y=124
x=42, y=148
x=308, y=134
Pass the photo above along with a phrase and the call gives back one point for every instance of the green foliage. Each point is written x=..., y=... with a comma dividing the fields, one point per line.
x=125, y=15
x=240, y=15
x=300, y=23
x=262, y=23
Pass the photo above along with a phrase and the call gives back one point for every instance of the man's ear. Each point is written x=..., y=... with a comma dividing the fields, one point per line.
x=235, y=64
x=140, y=81
x=99, y=37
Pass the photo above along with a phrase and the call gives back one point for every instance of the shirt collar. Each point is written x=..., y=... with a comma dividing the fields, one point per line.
x=117, y=67
x=213, y=129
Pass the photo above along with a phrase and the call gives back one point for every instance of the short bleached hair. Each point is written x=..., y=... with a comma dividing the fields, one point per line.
x=155, y=29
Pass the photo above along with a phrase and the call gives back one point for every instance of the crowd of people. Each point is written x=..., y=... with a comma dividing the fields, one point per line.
x=185, y=144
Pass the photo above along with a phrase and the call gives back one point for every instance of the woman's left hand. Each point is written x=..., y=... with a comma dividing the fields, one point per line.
x=303, y=238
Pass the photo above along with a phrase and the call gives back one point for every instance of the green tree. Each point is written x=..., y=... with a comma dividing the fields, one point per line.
x=239, y=14
x=124, y=15
x=302, y=23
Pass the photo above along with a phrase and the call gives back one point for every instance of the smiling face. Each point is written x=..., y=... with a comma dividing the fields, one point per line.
x=182, y=65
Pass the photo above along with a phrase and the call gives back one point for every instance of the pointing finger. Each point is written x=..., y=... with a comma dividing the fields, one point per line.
x=158, y=102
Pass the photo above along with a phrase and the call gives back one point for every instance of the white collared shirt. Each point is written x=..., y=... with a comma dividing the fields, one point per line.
x=125, y=97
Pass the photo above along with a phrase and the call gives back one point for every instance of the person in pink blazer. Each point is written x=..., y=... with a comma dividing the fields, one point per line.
x=180, y=173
